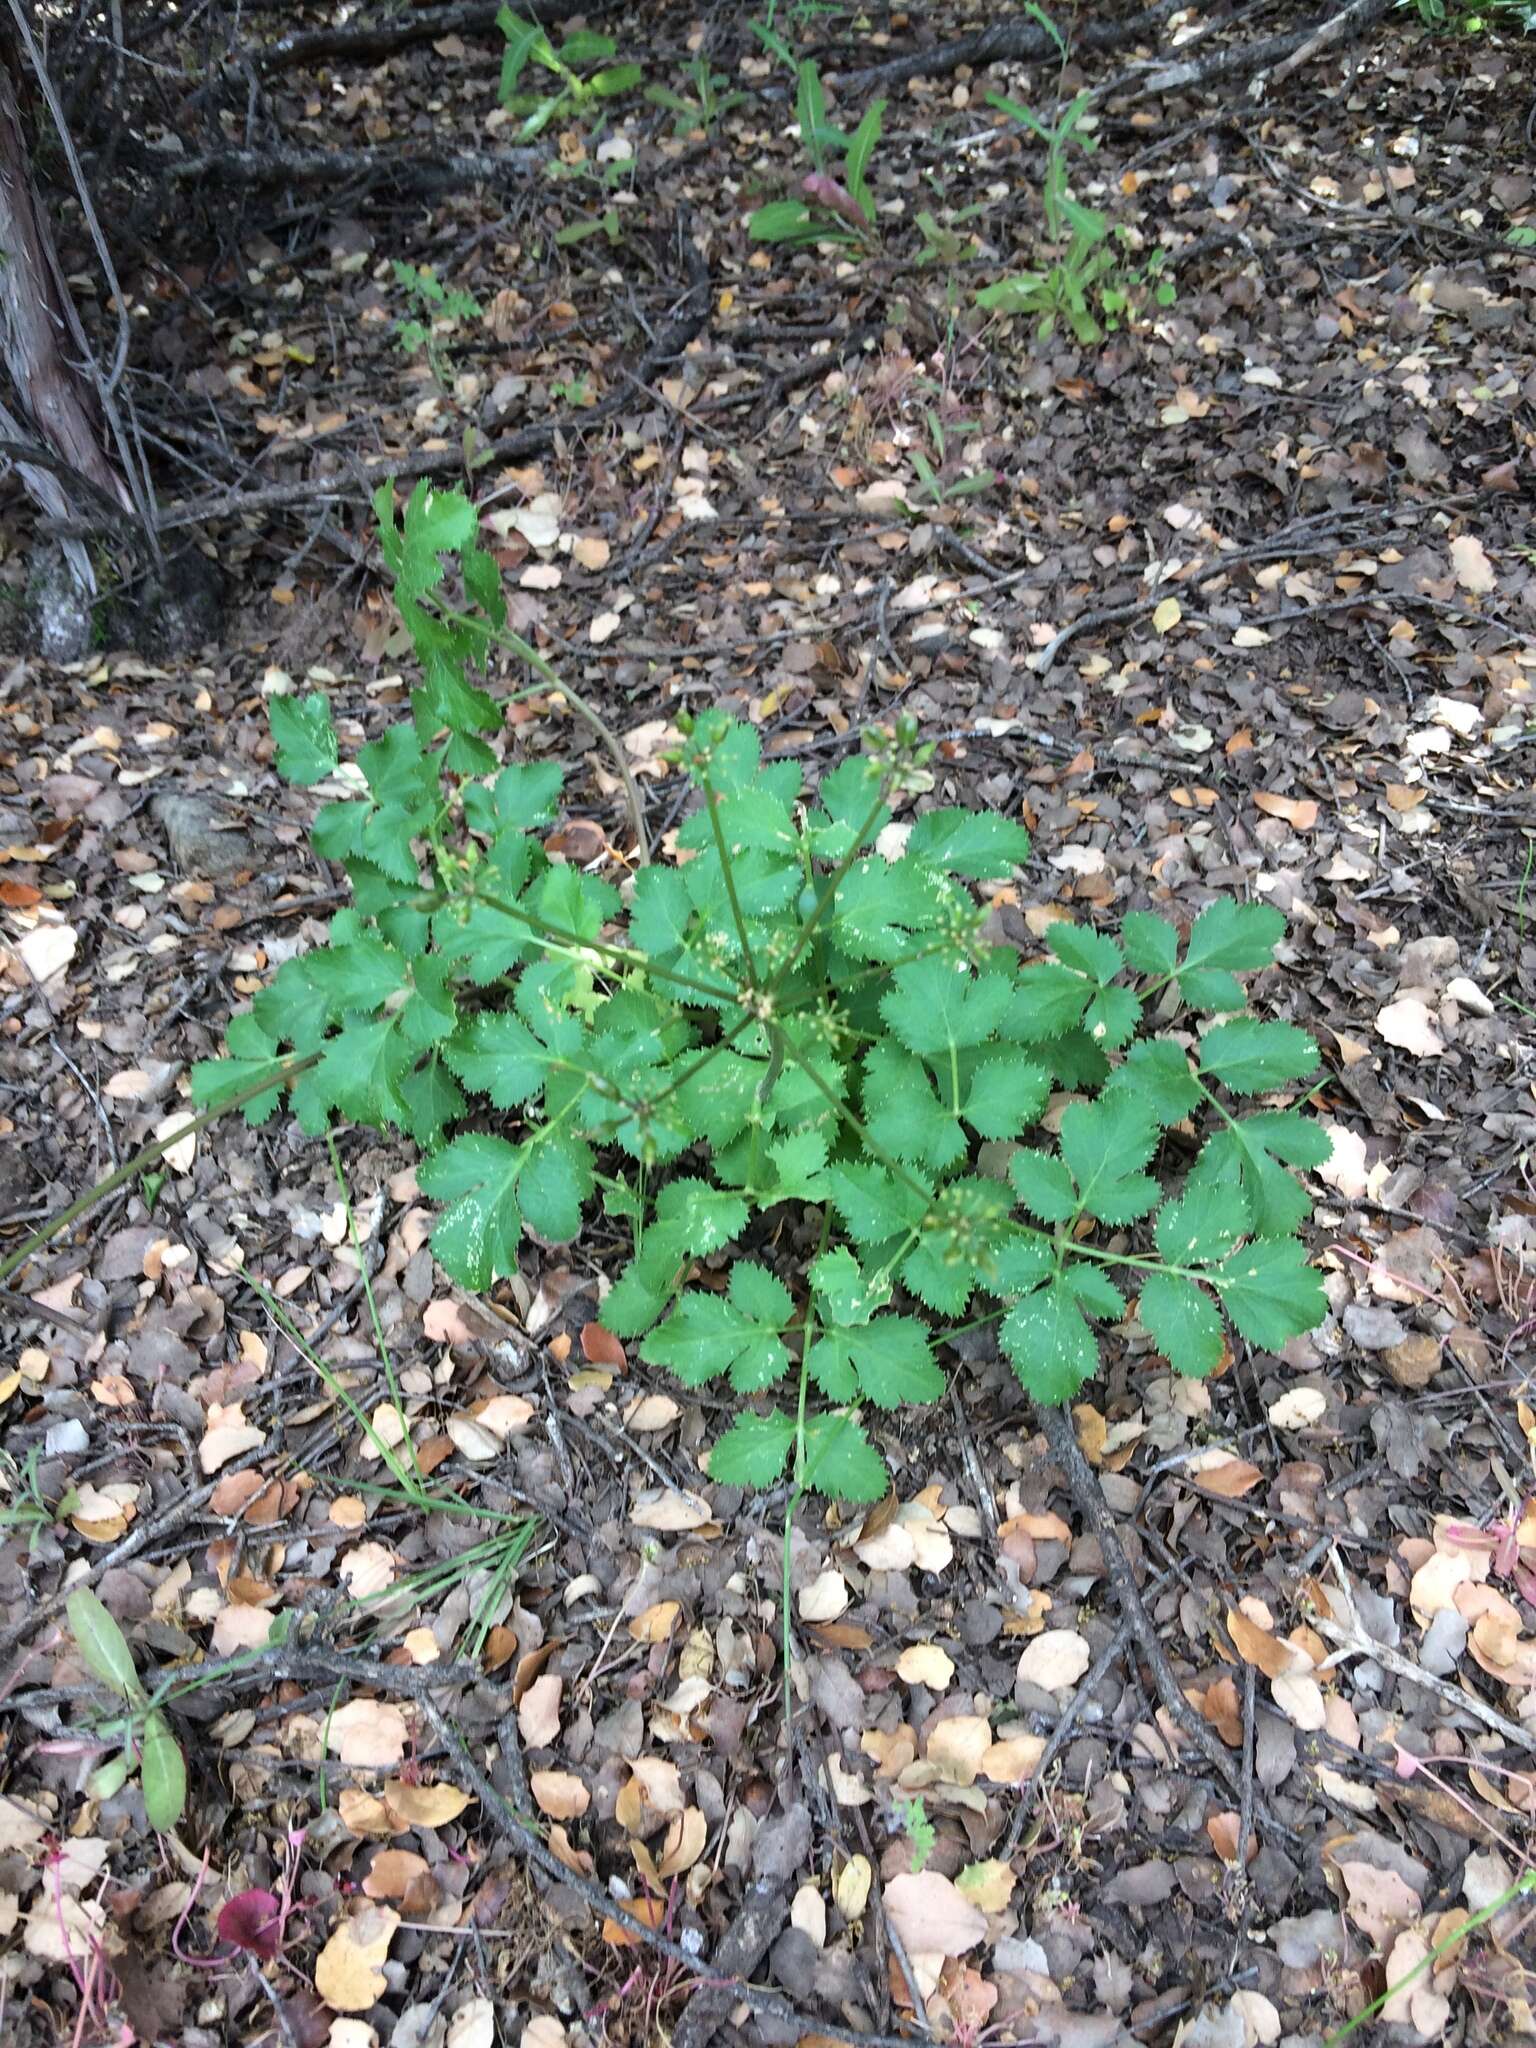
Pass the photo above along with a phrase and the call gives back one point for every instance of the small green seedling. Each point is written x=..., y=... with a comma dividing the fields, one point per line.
x=148, y=1745
x=586, y=75
x=824, y=208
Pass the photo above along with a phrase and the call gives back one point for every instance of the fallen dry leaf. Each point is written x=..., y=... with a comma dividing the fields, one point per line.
x=931, y=1915
x=348, y=1970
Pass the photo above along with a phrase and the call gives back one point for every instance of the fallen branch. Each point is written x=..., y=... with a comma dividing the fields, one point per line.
x=282, y=165
x=685, y=326
x=1002, y=42
x=405, y=28
x=1086, y=1491
x=1347, y=22
x=1241, y=57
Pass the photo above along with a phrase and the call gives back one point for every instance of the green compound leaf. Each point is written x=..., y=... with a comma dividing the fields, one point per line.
x=1089, y=952
x=736, y=1333
x=840, y=1461
x=932, y=1008
x=1236, y=936
x=1106, y=1144
x=1156, y=1075
x=1052, y=1349
x=1048, y=1001
x=1151, y=943
x=1200, y=1228
x=1093, y=1291
x=1251, y=1056
x=753, y=1450
x=843, y=1292
x=305, y=738
x=1005, y=1094
x=1183, y=1323
x=1270, y=1291
x=475, y=1239
x=1044, y=1185
x=980, y=844
x=891, y=1359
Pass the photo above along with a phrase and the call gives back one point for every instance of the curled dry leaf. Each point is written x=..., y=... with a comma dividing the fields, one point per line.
x=850, y=1888
x=1300, y=1698
x=957, y=1746
x=228, y=1435
x=654, y=1794
x=988, y=1885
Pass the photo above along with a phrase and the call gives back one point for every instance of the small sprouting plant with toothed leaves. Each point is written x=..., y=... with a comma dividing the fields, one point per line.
x=803, y=1034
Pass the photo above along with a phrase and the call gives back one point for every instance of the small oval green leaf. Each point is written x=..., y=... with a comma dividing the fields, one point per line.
x=163, y=1772
x=102, y=1644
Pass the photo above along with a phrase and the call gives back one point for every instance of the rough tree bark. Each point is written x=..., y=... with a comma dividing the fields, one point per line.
x=51, y=400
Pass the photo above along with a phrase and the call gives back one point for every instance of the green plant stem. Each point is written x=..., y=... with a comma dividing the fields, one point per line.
x=859, y=1129
x=796, y=1495
x=711, y=805
x=834, y=883
x=150, y=1155
x=516, y=644
x=717, y=992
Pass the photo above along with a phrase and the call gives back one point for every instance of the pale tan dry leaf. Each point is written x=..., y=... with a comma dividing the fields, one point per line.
x=1259, y=1646
x=1300, y=1698
x=850, y=1888
x=560, y=1794
x=925, y=1664
x=227, y=1436
x=369, y=1733
x=367, y=1568
x=808, y=1912
x=474, y=2025
x=824, y=1599
x=650, y=1413
x=957, y=1745
x=1012, y=1759
x=653, y=1794
x=1474, y=571
x=987, y=1885
x=683, y=1845
x=931, y=1916
x=667, y=1509
x=538, y=1712
x=1410, y=1025
x=1057, y=1658
x=424, y=1806
x=348, y=1972
x=1378, y=1901
x=655, y=1624
x=1301, y=1408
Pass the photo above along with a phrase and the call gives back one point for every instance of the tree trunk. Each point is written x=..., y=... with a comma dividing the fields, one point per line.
x=51, y=422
